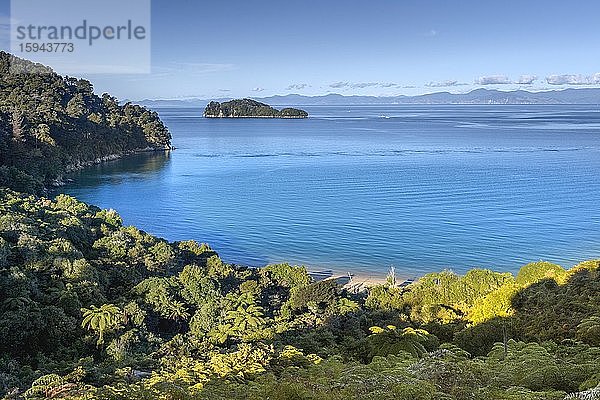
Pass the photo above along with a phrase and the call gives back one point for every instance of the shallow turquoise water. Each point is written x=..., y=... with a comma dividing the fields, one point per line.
x=362, y=188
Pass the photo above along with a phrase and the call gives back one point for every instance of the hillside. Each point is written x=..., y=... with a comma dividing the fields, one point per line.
x=93, y=309
x=51, y=124
x=477, y=96
x=248, y=108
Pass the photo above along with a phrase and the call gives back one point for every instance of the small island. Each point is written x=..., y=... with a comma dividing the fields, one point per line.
x=248, y=108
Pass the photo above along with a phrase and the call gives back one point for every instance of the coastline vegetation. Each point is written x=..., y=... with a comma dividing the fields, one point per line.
x=93, y=309
x=50, y=125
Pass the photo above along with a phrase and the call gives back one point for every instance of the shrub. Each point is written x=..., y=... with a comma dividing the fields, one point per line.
x=536, y=271
x=324, y=294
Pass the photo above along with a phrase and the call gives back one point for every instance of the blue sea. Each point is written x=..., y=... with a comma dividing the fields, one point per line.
x=363, y=188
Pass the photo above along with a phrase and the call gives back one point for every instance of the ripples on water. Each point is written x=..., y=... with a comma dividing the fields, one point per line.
x=362, y=188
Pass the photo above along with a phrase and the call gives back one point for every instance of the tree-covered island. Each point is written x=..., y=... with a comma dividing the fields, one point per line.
x=93, y=309
x=248, y=108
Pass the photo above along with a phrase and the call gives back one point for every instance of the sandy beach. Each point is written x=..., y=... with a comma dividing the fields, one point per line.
x=357, y=281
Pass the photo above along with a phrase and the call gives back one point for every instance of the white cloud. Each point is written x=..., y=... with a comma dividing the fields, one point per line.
x=339, y=85
x=493, y=80
x=362, y=85
x=176, y=68
x=257, y=89
x=447, y=83
x=572, y=79
x=526, y=79
x=297, y=86
x=203, y=68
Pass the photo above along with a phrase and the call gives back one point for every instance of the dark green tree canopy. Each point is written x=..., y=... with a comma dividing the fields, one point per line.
x=51, y=124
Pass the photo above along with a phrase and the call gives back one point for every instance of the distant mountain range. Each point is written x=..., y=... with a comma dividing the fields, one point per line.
x=478, y=96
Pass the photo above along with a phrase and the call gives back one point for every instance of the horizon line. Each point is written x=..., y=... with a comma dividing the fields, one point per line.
x=190, y=98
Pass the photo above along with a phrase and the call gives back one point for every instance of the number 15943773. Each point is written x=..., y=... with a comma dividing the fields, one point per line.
x=49, y=47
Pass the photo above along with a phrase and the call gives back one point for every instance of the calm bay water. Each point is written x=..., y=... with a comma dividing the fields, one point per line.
x=421, y=188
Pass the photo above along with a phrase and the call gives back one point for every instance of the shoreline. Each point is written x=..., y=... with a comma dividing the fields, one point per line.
x=60, y=180
x=250, y=116
x=358, y=281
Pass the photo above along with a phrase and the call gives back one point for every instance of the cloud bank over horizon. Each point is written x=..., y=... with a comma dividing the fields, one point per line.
x=493, y=80
x=448, y=83
x=572, y=79
x=362, y=85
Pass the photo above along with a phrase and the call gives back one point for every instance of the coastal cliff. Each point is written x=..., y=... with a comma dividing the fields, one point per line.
x=248, y=108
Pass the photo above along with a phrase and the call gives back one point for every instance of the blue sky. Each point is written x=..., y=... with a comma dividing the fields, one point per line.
x=380, y=47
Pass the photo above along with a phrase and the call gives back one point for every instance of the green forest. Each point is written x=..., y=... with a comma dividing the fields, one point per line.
x=93, y=309
x=50, y=125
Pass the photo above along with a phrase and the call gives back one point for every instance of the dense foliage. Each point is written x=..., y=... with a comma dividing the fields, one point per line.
x=248, y=108
x=92, y=309
x=51, y=124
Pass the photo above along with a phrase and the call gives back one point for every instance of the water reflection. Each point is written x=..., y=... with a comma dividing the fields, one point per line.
x=138, y=166
x=428, y=188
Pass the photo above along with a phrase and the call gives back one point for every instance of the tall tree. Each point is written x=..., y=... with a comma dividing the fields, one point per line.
x=18, y=126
